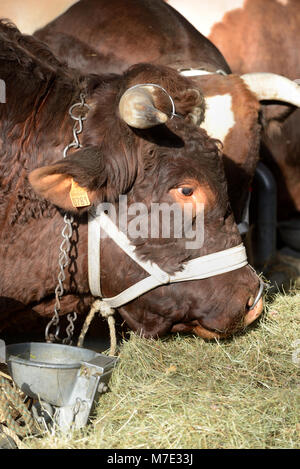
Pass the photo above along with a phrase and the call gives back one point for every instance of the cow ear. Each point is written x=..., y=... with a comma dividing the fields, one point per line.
x=74, y=183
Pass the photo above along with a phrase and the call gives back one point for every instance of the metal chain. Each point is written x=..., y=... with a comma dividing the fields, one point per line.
x=67, y=231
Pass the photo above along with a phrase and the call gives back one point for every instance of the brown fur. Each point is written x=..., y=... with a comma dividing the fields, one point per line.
x=241, y=146
x=154, y=31
x=264, y=36
x=162, y=42
x=114, y=159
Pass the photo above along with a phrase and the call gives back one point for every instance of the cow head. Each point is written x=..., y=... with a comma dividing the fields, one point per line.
x=132, y=146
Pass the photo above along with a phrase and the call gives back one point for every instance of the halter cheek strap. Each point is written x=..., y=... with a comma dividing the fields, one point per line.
x=202, y=267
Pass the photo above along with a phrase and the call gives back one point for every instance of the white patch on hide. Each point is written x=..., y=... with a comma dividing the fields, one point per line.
x=283, y=2
x=203, y=15
x=219, y=117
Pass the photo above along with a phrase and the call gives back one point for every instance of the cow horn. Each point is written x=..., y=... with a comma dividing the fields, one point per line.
x=137, y=108
x=269, y=86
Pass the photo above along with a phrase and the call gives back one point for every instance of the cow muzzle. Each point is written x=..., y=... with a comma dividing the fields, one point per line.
x=254, y=309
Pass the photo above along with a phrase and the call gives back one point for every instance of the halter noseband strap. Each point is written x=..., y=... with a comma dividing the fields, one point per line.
x=207, y=266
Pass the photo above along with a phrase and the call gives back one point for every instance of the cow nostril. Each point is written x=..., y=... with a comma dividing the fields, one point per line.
x=254, y=313
x=250, y=302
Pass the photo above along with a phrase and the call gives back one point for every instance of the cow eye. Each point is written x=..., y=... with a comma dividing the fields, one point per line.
x=187, y=191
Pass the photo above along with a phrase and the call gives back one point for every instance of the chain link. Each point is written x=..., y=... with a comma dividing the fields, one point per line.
x=65, y=246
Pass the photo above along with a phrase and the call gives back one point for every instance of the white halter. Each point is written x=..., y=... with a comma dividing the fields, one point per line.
x=195, y=269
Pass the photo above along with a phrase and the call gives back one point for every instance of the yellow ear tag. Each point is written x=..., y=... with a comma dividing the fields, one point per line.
x=79, y=196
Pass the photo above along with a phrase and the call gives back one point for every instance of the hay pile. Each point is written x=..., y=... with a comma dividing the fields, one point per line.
x=183, y=392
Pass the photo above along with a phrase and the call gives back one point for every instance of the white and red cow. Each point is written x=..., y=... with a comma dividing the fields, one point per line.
x=261, y=35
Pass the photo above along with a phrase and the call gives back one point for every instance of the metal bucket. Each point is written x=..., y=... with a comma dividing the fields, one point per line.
x=46, y=371
x=68, y=378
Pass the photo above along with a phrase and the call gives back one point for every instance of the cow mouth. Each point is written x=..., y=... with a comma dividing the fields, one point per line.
x=250, y=317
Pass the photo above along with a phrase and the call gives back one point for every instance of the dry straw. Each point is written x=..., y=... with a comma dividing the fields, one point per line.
x=183, y=392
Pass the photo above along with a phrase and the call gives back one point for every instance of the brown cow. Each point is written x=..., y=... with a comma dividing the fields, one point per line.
x=154, y=162
x=261, y=35
x=96, y=35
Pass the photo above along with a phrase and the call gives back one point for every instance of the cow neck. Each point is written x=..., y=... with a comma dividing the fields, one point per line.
x=202, y=267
